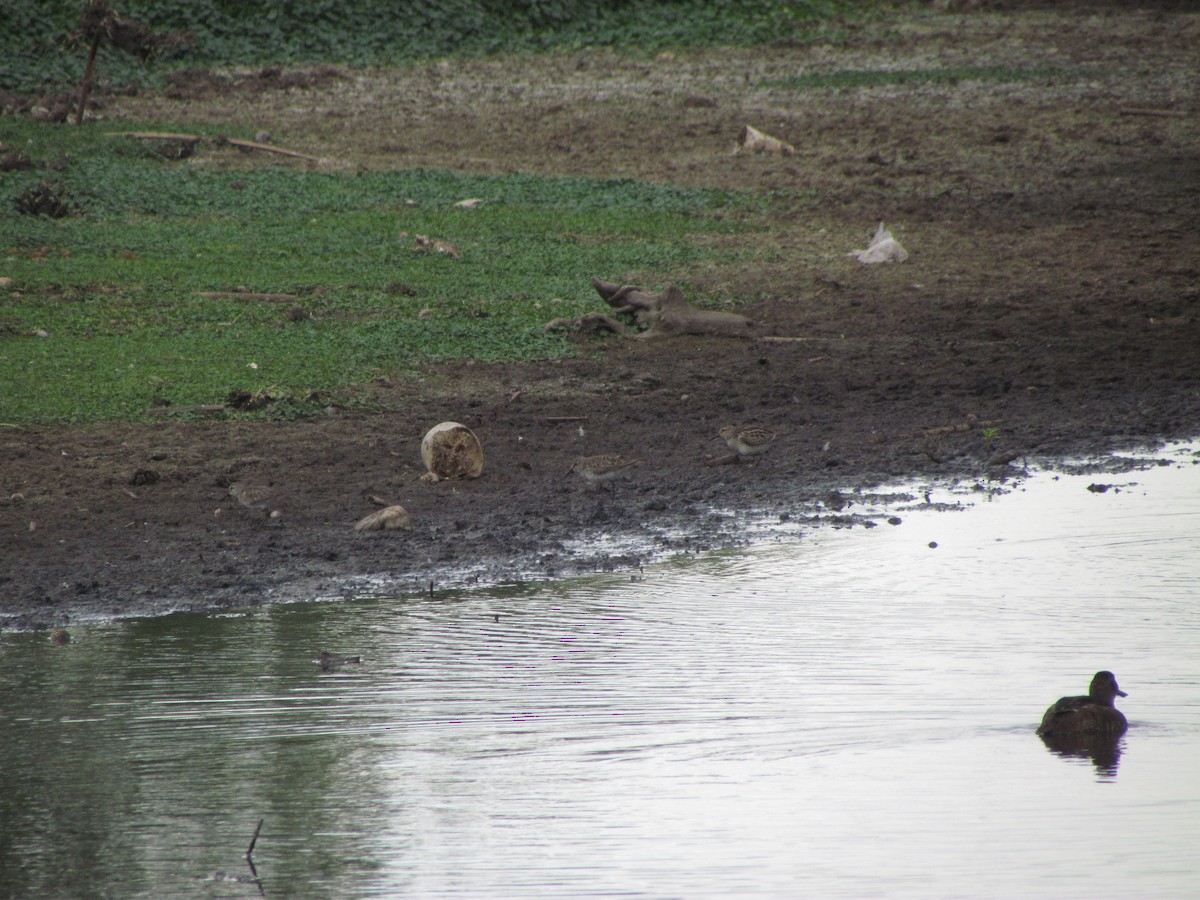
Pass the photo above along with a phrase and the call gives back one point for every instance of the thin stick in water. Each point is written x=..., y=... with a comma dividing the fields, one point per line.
x=254, y=840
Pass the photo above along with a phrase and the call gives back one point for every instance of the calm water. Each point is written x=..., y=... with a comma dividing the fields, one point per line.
x=849, y=713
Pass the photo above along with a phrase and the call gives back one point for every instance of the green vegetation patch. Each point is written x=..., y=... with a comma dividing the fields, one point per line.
x=148, y=288
x=34, y=53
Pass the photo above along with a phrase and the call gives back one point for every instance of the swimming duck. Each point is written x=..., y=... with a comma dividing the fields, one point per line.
x=1093, y=714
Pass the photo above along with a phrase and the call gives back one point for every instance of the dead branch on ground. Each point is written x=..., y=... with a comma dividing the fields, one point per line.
x=654, y=315
x=266, y=148
x=194, y=139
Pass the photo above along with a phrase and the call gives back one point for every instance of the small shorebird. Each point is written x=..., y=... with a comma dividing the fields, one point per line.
x=747, y=441
x=256, y=496
x=1093, y=714
x=604, y=467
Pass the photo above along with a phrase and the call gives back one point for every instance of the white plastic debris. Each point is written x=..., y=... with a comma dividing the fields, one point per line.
x=755, y=141
x=883, y=249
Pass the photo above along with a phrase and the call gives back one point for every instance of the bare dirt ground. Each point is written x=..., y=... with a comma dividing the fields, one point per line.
x=1053, y=287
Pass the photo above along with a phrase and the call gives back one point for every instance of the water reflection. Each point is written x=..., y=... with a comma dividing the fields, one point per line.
x=1103, y=751
x=848, y=714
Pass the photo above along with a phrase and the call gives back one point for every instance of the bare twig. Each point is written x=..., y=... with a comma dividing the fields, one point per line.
x=250, y=860
x=156, y=135
x=85, y=87
x=254, y=840
x=270, y=148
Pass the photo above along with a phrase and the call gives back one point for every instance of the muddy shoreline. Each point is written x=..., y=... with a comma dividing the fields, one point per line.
x=181, y=543
x=1053, y=290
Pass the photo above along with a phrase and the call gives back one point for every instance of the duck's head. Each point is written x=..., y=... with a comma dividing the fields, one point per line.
x=1104, y=688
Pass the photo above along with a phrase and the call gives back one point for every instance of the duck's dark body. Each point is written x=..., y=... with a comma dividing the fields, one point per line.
x=1093, y=714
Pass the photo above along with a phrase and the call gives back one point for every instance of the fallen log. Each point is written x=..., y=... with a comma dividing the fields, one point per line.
x=668, y=313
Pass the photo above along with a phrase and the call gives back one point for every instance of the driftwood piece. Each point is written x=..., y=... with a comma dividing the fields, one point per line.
x=665, y=314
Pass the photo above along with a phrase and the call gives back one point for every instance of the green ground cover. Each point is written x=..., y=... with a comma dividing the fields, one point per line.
x=35, y=54
x=101, y=311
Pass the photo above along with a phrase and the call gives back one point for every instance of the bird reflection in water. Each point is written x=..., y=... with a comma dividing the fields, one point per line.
x=1103, y=750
